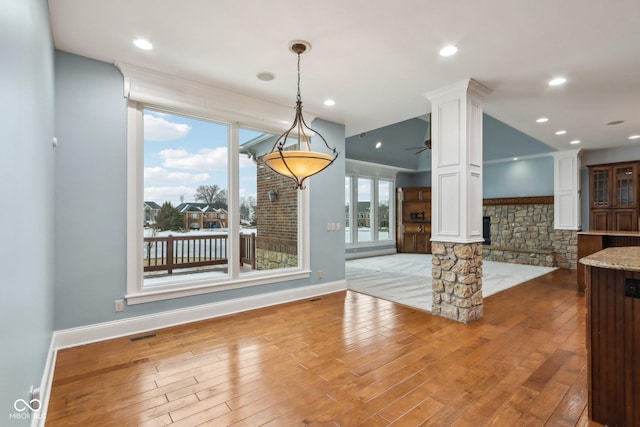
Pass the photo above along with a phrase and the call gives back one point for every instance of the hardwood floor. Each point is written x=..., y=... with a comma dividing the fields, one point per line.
x=344, y=359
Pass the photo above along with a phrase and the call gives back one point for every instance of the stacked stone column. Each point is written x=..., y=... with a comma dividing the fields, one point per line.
x=457, y=280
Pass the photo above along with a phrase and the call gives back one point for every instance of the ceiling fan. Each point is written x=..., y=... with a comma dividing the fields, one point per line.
x=427, y=142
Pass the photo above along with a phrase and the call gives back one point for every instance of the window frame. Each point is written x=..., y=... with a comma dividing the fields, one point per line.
x=392, y=210
x=137, y=293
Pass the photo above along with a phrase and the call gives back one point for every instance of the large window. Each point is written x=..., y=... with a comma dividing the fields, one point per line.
x=210, y=216
x=369, y=206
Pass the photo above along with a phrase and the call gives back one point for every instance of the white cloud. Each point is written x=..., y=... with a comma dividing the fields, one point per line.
x=161, y=175
x=159, y=129
x=170, y=194
x=204, y=159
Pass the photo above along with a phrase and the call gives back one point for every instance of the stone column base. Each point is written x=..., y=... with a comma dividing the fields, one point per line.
x=457, y=280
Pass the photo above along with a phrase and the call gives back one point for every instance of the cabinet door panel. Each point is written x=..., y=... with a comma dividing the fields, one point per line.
x=411, y=194
x=601, y=220
x=409, y=243
x=423, y=243
x=625, y=220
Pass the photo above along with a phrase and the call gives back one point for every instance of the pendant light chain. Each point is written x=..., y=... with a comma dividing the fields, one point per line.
x=299, y=97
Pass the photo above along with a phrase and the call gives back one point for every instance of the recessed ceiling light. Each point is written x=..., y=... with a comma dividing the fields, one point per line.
x=329, y=102
x=557, y=81
x=448, y=50
x=542, y=120
x=561, y=132
x=575, y=141
x=378, y=144
x=515, y=158
x=634, y=137
x=266, y=76
x=143, y=44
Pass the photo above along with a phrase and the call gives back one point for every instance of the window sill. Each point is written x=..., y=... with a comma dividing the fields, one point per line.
x=151, y=294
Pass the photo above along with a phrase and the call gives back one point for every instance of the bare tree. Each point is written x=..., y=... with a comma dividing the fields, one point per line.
x=210, y=194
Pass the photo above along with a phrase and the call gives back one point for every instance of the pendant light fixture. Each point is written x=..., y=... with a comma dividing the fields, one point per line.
x=297, y=161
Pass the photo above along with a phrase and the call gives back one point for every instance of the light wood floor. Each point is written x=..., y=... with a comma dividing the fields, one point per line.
x=345, y=359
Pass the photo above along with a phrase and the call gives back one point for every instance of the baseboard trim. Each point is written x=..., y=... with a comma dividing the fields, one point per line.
x=73, y=337
x=45, y=385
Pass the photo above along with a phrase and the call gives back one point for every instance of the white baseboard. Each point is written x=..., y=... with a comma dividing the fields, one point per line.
x=45, y=386
x=103, y=331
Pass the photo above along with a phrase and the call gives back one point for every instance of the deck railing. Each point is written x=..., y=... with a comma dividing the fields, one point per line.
x=175, y=252
x=248, y=250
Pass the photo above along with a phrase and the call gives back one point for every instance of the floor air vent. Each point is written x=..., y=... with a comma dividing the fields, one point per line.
x=143, y=337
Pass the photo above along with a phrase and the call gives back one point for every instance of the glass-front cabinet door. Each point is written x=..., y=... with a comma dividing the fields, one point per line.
x=601, y=187
x=625, y=185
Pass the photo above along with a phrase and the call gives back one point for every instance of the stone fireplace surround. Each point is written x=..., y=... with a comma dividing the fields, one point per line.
x=522, y=232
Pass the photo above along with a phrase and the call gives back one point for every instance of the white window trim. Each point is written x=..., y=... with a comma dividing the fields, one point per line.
x=146, y=89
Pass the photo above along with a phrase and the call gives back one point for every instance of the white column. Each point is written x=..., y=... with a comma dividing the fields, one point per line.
x=456, y=201
x=567, y=190
x=456, y=162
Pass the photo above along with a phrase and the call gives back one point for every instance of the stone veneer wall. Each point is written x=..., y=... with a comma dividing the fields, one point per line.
x=457, y=280
x=522, y=232
x=277, y=227
x=268, y=260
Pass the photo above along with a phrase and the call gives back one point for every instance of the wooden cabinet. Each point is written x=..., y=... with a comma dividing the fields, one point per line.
x=414, y=220
x=613, y=337
x=614, y=197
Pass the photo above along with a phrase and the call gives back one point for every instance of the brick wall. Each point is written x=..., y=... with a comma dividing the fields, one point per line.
x=277, y=221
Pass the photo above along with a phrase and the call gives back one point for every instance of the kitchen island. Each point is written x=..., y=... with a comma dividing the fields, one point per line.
x=613, y=335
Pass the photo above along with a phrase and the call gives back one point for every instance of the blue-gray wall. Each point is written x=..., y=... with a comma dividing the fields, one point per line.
x=519, y=178
x=91, y=202
x=413, y=179
x=327, y=206
x=27, y=194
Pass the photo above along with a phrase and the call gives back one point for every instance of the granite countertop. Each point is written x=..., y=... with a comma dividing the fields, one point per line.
x=622, y=258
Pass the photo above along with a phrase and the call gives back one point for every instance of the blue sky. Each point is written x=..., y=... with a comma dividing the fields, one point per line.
x=182, y=153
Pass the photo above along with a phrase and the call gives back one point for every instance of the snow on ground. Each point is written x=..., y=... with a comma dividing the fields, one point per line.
x=149, y=232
